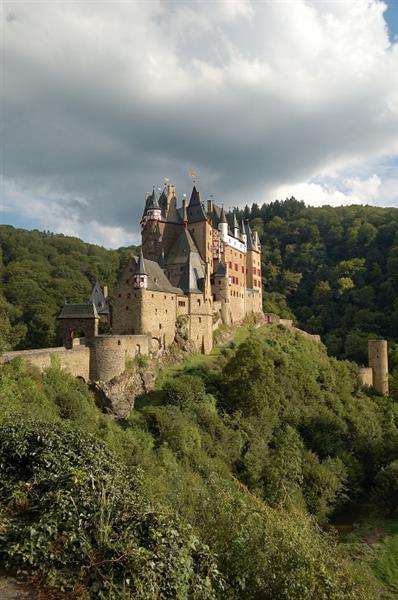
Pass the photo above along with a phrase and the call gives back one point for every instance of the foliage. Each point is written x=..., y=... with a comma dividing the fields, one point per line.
x=83, y=521
x=335, y=268
x=39, y=271
x=386, y=487
x=241, y=454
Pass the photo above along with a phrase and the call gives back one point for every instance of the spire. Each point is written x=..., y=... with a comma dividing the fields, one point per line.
x=249, y=236
x=195, y=197
x=141, y=265
x=242, y=226
x=223, y=223
x=152, y=201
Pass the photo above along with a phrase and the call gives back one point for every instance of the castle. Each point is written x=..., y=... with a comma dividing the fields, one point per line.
x=198, y=267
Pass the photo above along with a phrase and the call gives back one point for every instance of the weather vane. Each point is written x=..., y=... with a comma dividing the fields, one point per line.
x=194, y=176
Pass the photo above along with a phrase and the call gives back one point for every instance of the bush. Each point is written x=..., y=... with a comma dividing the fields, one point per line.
x=184, y=391
x=72, y=512
x=386, y=488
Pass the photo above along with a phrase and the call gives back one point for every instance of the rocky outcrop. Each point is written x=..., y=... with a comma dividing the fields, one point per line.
x=116, y=397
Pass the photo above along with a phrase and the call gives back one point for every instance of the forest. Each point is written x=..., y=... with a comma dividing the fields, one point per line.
x=219, y=485
x=334, y=270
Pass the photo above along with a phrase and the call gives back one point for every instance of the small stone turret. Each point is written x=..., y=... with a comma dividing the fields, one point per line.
x=378, y=361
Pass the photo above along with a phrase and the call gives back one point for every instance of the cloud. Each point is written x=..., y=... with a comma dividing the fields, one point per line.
x=102, y=100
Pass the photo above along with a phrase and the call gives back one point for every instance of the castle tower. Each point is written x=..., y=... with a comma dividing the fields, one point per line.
x=152, y=225
x=378, y=361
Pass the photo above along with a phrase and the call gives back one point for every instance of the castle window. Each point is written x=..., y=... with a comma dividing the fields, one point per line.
x=135, y=295
x=198, y=302
x=181, y=303
x=127, y=281
x=127, y=307
x=166, y=311
x=153, y=295
x=118, y=342
x=160, y=326
x=165, y=297
x=182, y=268
x=243, y=269
x=200, y=319
x=119, y=295
x=156, y=311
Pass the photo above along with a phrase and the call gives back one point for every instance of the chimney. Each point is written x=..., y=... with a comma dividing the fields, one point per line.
x=184, y=212
x=105, y=292
x=210, y=206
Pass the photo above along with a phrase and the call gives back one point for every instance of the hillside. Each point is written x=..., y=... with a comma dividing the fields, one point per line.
x=336, y=269
x=39, y=271
x=215, y=485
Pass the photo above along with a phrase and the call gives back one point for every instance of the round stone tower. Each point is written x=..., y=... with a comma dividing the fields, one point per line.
x=378, y=361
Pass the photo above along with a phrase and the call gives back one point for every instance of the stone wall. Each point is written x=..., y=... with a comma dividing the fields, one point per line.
x=366, y=375
x=75, y=360
x=253, y=302
x=158, y=317
x=110, y=353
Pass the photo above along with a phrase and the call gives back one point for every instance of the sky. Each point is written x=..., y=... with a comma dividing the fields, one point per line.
x=101, y=101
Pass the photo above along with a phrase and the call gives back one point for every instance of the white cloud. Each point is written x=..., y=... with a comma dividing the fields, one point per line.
x=103, y=99
x=350, y=190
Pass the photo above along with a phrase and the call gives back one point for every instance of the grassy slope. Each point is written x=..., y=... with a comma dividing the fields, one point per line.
x=375, y=542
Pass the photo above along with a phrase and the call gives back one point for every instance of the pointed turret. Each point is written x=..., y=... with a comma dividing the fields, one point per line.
x=243, y=231
x=141, y=265
x=141, y=275
x=196, y=211
x=249, y=237
x=195, y=197
x=235, y=225
x=223, y=224
x=152, y=211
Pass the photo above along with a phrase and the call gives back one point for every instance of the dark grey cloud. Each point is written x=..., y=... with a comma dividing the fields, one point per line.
x=101, y=102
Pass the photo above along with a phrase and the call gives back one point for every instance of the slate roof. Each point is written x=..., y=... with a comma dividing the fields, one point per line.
x=157, y=280
x=195, y=210
x=249, y=237
x=141, y=265
x=221, y=270
x=97, y=296
x=181, y=248
x=192, y=276
x=79, y=311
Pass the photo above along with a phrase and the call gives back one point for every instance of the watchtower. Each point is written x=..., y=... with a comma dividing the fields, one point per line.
x=378, y=361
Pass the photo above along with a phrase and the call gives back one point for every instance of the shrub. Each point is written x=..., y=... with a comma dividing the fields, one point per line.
x=72, y=512
x=184, y=391
x=386, y=488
